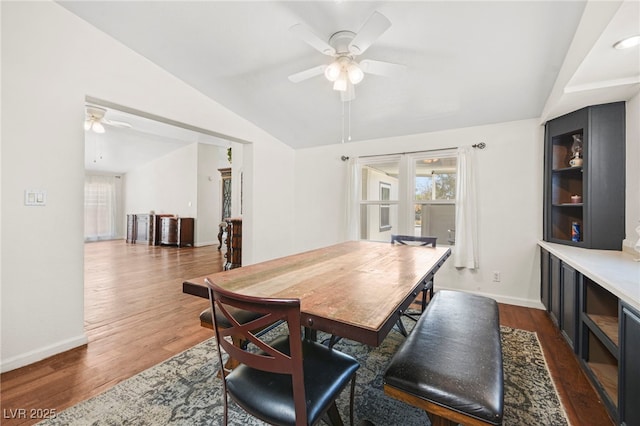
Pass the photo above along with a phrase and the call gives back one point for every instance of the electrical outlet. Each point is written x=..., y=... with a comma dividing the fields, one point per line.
x=496, y=276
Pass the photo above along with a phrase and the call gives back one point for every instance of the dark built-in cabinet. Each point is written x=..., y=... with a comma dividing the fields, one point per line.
x=569, y=304
x=559, y=295
x=603, y=331
x=584, y=178
x=629, y=366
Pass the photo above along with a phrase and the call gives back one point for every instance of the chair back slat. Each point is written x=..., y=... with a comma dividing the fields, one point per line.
x=272, y=360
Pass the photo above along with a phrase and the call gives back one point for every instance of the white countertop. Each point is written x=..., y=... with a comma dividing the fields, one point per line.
x=615, y=271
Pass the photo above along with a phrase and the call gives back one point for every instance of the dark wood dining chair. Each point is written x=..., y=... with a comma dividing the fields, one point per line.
x=427, y=284
x=206, y=320
x=284, y=381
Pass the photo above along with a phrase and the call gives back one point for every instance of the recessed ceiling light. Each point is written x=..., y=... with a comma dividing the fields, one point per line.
x=625, y=43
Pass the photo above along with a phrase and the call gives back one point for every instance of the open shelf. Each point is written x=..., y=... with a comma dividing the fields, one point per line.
x=601, y=308
x=566, y=181
x=608, y=325
x=561, y=150
x=562, y=219
x=604, y=367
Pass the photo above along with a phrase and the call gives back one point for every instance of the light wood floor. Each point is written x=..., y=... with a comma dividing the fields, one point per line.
x=137, y=316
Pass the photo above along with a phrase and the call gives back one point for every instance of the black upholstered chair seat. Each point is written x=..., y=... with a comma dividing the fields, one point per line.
x=326, y=373
x=242, y=316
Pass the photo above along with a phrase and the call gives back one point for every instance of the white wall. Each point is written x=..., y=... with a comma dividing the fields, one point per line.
x=509, y=195
x=167, y=184
x=268, y=216
x=52, y=60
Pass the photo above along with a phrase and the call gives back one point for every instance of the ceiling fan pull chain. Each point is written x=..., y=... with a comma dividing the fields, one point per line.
x=349, y=119
x=342, y=127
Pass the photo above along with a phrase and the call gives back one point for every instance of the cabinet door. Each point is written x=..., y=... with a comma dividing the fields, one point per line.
x=544, y=278
x=555, y=290
x=131, y=227
x=629, y=367
x=569, y=304
x=169, y=230
x=142, y=227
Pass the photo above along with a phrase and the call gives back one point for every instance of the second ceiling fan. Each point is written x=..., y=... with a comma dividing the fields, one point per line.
x=345, y=46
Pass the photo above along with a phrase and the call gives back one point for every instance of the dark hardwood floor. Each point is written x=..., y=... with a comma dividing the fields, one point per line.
x=137, y=316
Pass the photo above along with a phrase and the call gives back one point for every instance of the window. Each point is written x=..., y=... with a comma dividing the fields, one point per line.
x=378, y=189
x=385, y=209
x=434, y=197
x=102, y=200
x=410, y=194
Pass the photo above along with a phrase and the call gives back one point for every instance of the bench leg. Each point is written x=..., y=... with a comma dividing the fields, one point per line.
x=440, y=421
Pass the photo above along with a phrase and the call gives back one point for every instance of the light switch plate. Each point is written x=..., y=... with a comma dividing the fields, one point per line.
x=35, y=197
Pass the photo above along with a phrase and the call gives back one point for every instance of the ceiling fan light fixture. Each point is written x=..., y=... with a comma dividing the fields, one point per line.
x=87, y=124
x=355, y=73
x=332, y=72
x=341, y=83
x=628, y=42
x=97, y=127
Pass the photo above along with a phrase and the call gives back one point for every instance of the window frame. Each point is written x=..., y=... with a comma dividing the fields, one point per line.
x=406, y=199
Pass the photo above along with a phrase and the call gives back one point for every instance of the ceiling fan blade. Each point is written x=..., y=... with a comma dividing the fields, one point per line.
x=385, y=69
x=370, y=31
x=306, y=74
x=116, y=123
x=312, y=39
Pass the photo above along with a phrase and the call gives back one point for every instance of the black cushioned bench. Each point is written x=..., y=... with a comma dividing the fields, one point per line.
x=451, y=363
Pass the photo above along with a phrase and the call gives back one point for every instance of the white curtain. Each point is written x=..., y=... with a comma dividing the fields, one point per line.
x=101, y=206
x=465, y=250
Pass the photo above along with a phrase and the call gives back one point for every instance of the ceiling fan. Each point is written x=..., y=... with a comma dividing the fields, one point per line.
x=95, y=119
x=345, y=46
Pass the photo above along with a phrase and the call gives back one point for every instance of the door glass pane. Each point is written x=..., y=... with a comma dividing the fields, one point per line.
x=435, y=179
x=379, y=184
x=378, y=221
x=380, y=181
x=435, y=220
x=434, y=198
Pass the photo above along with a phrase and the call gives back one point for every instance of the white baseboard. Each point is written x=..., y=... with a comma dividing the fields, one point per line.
x=206, y=243
x=517, y=301
x=42, y=353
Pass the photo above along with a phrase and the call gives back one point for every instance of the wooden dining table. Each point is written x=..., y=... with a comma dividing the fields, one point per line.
x=356, y=289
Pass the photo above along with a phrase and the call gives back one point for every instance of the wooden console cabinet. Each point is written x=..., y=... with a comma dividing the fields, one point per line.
x=159, y=229
x=139, y=228
x=234, y=243
x=176, y=231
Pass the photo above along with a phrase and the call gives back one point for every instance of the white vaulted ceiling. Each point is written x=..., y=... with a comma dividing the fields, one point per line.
x=468, y=63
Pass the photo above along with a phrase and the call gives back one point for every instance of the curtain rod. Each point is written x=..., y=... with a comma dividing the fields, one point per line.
x=480, y=145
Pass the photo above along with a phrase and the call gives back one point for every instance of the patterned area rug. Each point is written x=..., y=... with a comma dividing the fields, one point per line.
x=184, y=390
